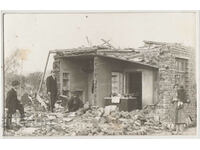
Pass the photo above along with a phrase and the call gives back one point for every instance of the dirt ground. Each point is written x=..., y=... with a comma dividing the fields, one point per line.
x=192, y=131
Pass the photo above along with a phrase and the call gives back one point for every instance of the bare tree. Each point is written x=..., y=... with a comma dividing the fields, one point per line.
x=34, y=79
x=12, y=63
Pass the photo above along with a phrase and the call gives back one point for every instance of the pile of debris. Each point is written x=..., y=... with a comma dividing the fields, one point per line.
x=89, y=121
x=109, y=121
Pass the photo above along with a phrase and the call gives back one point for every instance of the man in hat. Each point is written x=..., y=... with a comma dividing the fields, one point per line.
x=51, y=84
x=13, y=104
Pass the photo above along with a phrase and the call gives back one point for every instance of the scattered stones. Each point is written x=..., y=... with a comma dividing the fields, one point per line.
x=94, y=121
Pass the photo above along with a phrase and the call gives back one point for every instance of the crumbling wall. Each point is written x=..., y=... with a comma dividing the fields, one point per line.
x=164, y=59
x=164, y=56
x=189, y=53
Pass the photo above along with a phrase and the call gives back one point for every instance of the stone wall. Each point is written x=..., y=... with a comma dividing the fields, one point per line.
x=164, y=56
x=190, y=79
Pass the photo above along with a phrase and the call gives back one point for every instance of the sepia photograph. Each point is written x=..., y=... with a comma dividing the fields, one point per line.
x=99, y=74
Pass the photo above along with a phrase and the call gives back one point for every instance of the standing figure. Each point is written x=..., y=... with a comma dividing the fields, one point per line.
x=179, y=99
x=13, y=104
x=51, y=84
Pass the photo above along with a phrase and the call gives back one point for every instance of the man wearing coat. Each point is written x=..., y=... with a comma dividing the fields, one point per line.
x=13, y=104
x=51, y=84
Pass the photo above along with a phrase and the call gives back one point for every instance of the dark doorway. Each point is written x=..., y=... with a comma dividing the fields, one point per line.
x=135, y=89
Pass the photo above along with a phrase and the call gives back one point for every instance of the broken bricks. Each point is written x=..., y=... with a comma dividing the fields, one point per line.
x=94, y=121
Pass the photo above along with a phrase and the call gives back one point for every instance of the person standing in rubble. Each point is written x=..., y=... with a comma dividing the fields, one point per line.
x=74, y=103
x=179, y=99
x=13, y=104
x=51, y=85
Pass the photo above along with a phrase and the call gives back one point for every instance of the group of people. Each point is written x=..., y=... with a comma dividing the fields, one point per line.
x=74, y=103
x=13, y=103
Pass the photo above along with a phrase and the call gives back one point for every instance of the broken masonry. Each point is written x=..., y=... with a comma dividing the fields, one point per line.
x=140, y=77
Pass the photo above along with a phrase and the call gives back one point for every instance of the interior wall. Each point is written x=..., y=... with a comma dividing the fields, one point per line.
x=147, y=87
x=148, y=82
x=103, y=69
x=91, y=88
x=78, y=78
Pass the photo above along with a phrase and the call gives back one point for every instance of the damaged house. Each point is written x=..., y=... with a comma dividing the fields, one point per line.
x=140, y=77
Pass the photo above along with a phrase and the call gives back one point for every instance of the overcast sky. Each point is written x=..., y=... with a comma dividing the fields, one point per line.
x=39, y=33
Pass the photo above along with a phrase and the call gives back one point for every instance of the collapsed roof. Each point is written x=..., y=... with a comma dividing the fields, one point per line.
x=126, y=54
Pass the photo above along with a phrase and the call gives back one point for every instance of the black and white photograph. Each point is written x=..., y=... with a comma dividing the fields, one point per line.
x=99, y=74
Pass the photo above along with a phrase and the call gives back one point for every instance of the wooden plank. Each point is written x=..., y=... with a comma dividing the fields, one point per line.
x=43, y=75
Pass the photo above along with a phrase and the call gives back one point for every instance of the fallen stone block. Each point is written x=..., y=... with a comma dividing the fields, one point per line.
x=67, y=119
x=109, y=109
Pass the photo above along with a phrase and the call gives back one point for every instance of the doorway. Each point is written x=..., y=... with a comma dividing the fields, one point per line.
x=135, y=89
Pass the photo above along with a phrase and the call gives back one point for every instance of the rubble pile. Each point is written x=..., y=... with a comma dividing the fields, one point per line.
x=93, y=121
x=97, y=122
